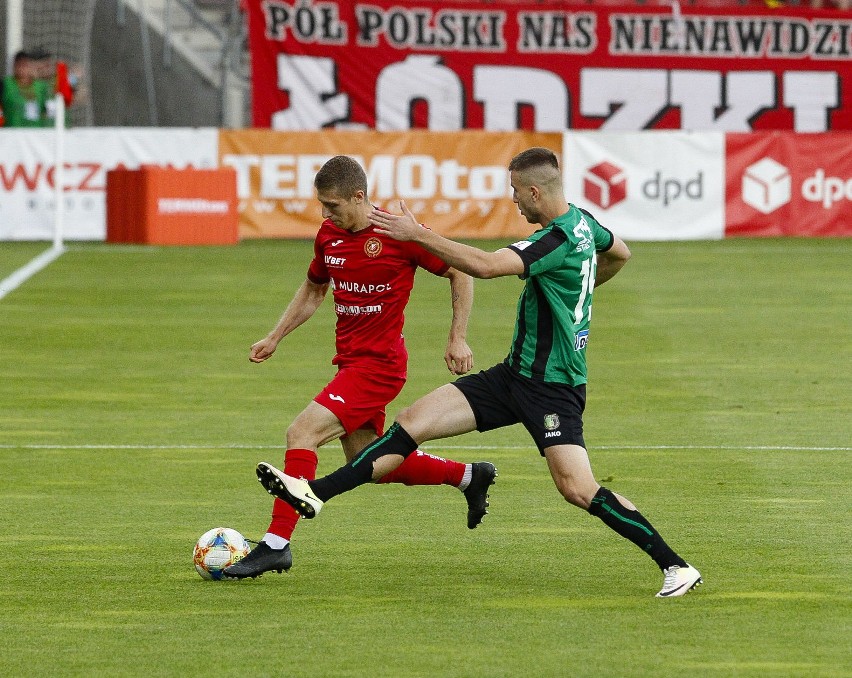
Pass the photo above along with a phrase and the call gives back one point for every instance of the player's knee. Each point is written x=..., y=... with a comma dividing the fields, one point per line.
x=419, y=420
x=575, y=499
x=574, y=494
x=407, y=420
x=301, y=436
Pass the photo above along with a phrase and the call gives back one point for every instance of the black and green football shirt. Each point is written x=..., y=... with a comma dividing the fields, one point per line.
x=552, y=326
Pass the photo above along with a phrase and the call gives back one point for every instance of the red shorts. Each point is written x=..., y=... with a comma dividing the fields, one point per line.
x=357, y=396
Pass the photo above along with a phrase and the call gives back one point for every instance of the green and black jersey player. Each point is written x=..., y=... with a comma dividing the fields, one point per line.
x=544, y=375
x=541, y=384
x=552, y=326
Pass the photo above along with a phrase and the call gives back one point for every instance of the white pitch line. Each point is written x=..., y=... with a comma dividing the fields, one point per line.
x=27, y=271
x=237, y=446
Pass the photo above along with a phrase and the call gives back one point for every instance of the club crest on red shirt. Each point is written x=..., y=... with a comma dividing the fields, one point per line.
x=373, y=247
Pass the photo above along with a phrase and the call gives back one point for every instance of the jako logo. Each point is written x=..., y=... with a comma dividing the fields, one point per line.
x=766, y=185
x=605, y=185
x=827, y=190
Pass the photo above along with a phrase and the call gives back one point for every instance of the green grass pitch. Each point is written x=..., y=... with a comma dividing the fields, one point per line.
x=131, y=421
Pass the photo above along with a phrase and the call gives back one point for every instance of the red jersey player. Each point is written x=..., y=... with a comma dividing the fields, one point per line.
x=370, y=277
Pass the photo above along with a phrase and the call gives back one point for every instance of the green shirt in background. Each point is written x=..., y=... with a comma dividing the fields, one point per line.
x=25, y=108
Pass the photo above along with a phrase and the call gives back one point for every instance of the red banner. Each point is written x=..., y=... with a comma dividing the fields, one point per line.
x=782, y=183
x=392, y=65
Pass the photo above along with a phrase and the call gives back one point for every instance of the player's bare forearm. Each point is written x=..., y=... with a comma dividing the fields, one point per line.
x=470, y=260
x=611, y=261
x=304, y=304
x=461, y=291
x=458, y=356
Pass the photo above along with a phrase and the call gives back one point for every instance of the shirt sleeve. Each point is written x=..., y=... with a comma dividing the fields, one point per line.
x=429, y=261
x=317, y=271
x=536, y=254
x=604, y=238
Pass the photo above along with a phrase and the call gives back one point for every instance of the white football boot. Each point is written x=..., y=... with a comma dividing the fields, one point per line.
x=679, y=581
x=295, y=491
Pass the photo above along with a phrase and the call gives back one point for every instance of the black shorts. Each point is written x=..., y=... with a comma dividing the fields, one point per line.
x=552, y=413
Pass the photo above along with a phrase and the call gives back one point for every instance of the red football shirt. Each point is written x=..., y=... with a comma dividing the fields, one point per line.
x=371, y=277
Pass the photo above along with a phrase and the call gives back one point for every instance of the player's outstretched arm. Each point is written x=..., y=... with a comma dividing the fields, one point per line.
x=304, y=304
x=611, y=261
x=470, y=260
x=458, y=356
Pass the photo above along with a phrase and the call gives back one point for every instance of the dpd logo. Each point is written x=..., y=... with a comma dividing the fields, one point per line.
x=766, y=185
x=605, y=185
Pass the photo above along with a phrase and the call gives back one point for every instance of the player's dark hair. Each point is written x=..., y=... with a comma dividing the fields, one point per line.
x=38, y=53
x=342, y=176
x=533, y=157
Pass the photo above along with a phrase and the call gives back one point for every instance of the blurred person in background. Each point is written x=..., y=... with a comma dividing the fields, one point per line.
x=56, y=77
x=23, y=96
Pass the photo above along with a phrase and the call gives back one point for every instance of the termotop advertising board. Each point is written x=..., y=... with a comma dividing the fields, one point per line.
x=456, y=184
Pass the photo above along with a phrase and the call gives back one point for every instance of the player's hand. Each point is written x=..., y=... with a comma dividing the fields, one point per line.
x=459, y=357
x=398, y=226
x=262, y=349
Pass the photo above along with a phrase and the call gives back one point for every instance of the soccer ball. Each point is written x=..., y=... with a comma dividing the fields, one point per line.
x=216, y=549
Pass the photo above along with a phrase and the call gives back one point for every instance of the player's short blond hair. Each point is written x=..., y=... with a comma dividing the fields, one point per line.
x=342, y=176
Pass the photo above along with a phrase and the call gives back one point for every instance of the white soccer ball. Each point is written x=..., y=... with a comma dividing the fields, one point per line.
x=218, y=548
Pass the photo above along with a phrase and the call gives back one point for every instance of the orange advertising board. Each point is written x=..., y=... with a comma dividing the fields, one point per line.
x=167, y=206
x=454, y=182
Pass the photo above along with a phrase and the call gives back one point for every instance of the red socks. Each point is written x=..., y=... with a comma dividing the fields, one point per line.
x=420, y=468
x=299, y=464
